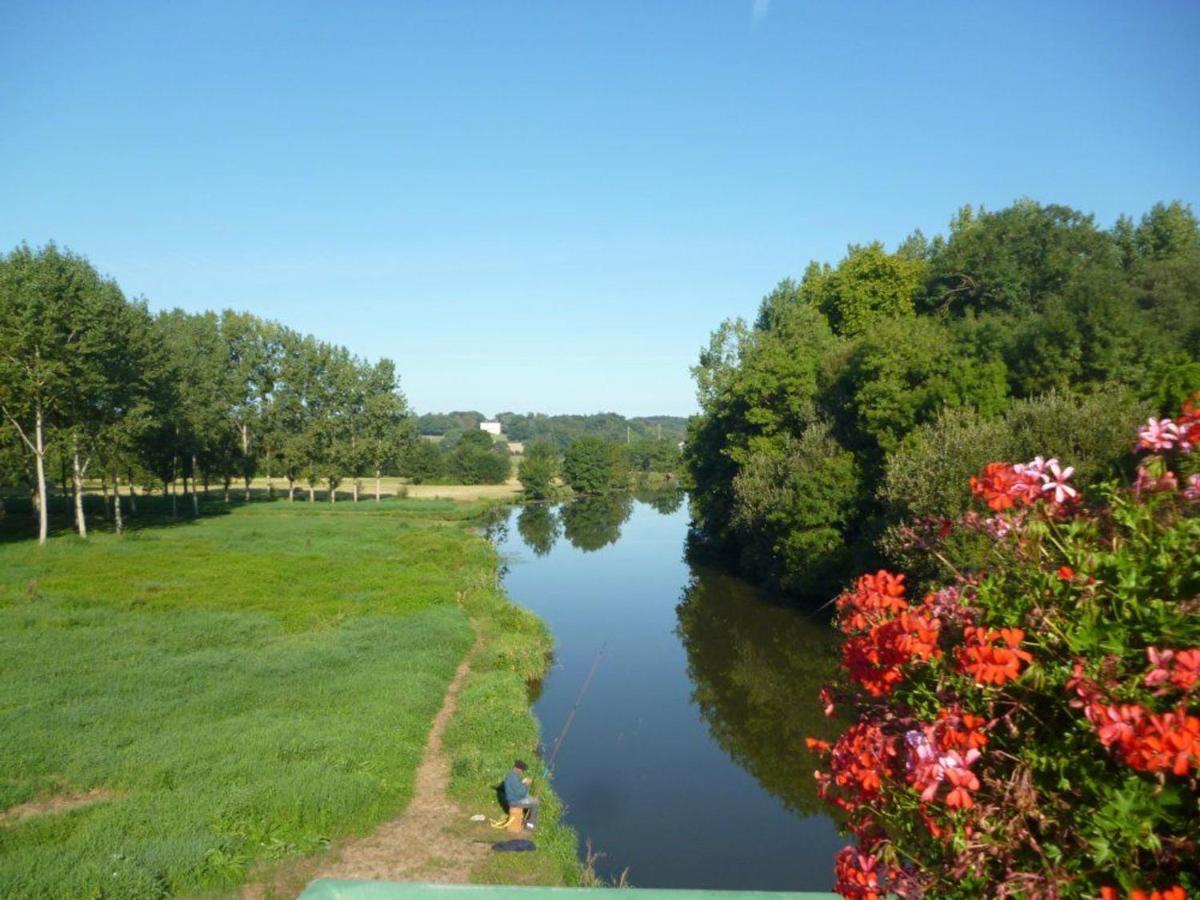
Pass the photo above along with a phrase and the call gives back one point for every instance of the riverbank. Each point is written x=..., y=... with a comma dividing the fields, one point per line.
x=210, y=701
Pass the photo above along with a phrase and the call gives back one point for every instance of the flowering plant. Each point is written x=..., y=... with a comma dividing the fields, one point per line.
x=1031, y=727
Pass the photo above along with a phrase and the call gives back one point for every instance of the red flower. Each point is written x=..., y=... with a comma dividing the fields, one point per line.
x=1066, y=573
x=995, y=486
x=989, y=662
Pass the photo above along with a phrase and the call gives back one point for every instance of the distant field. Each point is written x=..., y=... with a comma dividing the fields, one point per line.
x=221, y=692
x=389, y=487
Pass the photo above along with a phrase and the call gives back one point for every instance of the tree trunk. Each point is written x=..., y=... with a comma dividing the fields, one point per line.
x=132, y=497
x=228, y=481
x=40, y=453
x=195, y=499
x=377, y=474
x=117, y=518
x=246, y=458
x=291, y=491
x=77, y=477
x=104, y=491
x=332, y=493
x=174, y=493
x=355, y=490
x=312, y=494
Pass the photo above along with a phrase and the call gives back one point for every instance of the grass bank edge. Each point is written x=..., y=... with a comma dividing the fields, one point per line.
x=494, y=724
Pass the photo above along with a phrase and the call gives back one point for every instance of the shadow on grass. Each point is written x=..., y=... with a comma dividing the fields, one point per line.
x=18, y=522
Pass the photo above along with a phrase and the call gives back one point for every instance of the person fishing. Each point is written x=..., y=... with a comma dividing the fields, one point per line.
x=516, y=793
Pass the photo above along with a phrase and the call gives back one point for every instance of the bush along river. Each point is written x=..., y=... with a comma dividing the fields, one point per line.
x=685, y=760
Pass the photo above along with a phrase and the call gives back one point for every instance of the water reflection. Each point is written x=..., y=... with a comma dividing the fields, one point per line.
x=591, y=523
x=540, y=527
x=686, y=761
x=756, y=672
x=665, y=500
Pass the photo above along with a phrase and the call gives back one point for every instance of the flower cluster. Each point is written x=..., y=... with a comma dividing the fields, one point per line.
x=883, y=633
x=1033, y=722
x=944, y=755
x=1181, y=433
x=1168, y=741
x=1003, y=486
x=992, y=656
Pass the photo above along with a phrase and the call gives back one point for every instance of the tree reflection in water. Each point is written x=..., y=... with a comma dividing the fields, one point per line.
x=594, y=522
x=666, y=499
x=539, y=527
x=756, y=671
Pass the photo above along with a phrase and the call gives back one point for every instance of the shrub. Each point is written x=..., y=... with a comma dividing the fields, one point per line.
x=592, y=465
x=1031, y=727
x=538, y=470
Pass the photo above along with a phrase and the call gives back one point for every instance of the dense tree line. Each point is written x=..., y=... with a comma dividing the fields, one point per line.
x=560, y=430
x=95, y=383
x=863, y=392
x=470, y=457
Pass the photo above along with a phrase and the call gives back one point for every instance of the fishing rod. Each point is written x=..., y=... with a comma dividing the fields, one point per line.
x=574, y=709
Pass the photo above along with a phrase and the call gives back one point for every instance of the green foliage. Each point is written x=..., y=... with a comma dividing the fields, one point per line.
x=968, y=331
x=561, y=430
x=927, y=474
x=651, y=455
x=868, y=286
x=538, y=470
x=792, y=502
x=592, y=465
x=120, y=394
x=477, y=459
x=424, y=463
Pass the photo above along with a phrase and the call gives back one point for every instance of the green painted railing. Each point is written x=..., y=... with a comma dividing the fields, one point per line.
x=329, y=889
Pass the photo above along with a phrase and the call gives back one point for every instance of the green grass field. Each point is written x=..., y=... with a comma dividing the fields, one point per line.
x=244, y=688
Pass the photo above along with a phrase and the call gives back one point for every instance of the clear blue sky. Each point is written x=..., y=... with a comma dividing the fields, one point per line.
x=548, y=206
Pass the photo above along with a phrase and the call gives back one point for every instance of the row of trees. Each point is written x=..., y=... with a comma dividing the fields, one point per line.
x=863, y=394
x=95, y=381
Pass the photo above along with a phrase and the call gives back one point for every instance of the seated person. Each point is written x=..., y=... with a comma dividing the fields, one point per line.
x=516, y=793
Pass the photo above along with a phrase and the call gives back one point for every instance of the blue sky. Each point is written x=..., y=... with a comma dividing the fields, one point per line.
x=548, y=206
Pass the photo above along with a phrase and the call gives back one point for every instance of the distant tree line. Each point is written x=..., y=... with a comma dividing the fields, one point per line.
x=560, y=430
x=865, y=393
x=593, y=465
x=94, y=385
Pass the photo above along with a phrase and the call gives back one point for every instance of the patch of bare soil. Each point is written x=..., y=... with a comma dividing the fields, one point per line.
x=58, y=803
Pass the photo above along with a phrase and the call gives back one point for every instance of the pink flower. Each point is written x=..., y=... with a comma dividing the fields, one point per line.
x=1192, y=491
x=1054, y=480
x=1158, y=434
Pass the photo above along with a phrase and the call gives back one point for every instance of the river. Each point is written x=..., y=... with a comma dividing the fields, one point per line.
x=685, y=762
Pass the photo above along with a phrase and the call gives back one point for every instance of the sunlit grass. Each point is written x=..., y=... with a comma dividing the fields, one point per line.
x=248, y=687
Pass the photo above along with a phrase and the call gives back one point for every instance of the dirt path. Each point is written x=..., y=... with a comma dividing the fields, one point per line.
x=427, y=842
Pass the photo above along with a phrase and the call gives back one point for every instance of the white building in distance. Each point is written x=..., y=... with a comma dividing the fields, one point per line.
x=491, y=427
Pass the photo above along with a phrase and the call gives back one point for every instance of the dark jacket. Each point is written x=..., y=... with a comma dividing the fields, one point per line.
x=514, y=788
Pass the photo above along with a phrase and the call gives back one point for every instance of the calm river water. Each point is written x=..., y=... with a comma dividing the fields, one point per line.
x=686, y=761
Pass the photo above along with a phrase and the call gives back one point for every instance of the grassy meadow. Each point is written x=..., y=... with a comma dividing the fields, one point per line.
x=243, y=688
